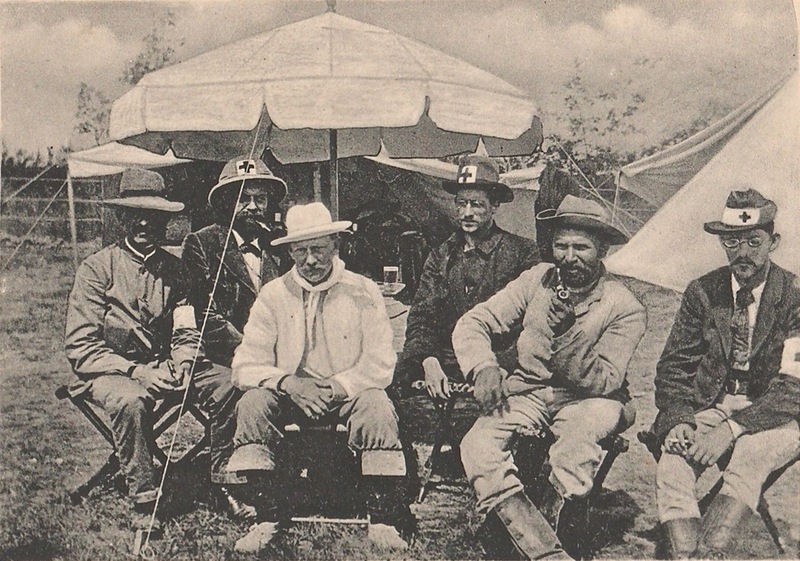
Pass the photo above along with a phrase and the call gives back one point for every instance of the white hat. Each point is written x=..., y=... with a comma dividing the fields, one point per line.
x=254, y=171
x=305, y=222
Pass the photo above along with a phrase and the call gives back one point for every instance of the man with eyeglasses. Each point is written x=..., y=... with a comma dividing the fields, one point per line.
x=479, y=259
x=227, y=267
x=728, y=382
x=247, y=192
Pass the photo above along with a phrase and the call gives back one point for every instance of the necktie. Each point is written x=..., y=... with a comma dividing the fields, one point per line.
x=740, y=329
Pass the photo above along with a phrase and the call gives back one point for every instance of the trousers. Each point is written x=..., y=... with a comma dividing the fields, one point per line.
x=370, y=418
x=577, y=425
x=130, y=407
x=754, y=457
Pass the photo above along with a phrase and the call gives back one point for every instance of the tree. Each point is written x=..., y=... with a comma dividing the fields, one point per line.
x=94, y=107
x=94, y=110
x=159, y=49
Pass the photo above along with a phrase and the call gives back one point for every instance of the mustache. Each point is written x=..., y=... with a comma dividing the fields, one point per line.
x=743, y=261
x=573, y=267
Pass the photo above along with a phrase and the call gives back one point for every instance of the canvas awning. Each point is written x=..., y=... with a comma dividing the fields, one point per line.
x=111, y=158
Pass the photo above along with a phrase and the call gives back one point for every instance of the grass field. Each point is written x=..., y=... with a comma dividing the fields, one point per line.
x=48, y=448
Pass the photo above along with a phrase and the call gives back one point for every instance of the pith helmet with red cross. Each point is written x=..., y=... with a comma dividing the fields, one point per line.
x=250, y=171
x=744, y=210
x=479, y=172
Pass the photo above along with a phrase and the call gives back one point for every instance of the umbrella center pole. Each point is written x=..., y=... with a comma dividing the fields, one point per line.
x=334, y=175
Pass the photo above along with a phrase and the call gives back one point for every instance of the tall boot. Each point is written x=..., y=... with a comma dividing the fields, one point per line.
x=681, y=537
x=568, y=517
x=718, y=526
x=515, y=529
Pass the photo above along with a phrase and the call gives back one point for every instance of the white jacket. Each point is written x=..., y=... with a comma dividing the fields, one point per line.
x=355, y=329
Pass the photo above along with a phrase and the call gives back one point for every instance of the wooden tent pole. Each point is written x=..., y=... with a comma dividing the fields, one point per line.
x=73, y=221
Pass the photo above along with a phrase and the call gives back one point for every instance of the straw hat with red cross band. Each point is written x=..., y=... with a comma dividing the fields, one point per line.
x=744, y=210
x=251, y=171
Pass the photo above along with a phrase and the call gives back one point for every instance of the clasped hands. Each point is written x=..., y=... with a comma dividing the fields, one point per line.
x=705, y=449
x=164, y=378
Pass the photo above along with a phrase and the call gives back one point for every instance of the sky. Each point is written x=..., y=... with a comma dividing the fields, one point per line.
x=685, y=60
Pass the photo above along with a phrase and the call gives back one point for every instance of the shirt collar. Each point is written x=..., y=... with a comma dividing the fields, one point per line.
x=139, y=255
x=757, y=290
x=488, y=244
x=240, y=240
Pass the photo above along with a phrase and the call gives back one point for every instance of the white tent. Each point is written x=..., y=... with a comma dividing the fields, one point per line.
x=112, y=158
x=671, y=249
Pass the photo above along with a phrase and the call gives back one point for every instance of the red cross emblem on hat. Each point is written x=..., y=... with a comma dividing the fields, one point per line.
x=468, y=174
x=246, y=167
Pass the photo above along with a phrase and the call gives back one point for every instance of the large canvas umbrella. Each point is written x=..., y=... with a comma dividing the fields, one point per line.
x=324, y=88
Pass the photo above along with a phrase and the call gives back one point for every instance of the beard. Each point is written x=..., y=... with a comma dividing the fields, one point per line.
x=576, y=275
x=249, y=226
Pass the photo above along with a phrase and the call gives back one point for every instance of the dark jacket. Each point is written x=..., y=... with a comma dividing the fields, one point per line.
x=694, y=364
x=440, y=301
x=235, y=291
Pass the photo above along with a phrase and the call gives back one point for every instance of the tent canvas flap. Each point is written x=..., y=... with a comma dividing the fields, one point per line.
x=672, y=249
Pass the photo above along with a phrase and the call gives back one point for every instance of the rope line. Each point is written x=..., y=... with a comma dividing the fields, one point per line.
x=28, y=184
x=146, y=544
x=35, y=223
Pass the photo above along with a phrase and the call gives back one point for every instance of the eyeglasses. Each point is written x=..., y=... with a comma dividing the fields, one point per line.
x=734, y=243
x=259, y=200
x=478, y=205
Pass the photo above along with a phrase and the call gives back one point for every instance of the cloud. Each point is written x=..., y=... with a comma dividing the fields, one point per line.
x=42, y=67
x=689, y=64
x=687, y=59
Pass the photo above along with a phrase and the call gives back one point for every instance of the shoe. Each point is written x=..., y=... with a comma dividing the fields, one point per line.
x=681, y=537
x=141, y=521
x=385, y=536
x=251, y=457
x=238, y=509
x=258, y=538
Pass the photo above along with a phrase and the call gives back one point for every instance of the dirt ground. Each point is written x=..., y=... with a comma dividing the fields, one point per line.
x=48, y=448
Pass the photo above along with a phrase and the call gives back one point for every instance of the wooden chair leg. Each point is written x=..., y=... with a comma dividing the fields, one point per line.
x=766, y=517
x=614, y=446
x=444, y=435
x=109, y=469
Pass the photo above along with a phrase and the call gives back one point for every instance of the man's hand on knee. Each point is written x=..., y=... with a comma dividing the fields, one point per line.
x=435, y=379
x=679, y=439
x=311, y=396
x=157, y=381
x=490, y=390
x=708, y=447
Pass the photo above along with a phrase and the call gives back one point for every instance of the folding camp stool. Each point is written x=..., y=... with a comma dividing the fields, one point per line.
x=315, y=465
x=533, y=445
x=165, y=413
x=444, y=437
x=649, y=439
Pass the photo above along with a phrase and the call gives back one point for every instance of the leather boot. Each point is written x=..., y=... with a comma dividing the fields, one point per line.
x=550, y=502
x=681, y=537
x=568, y=518
x=515, y=529
x=718, y=526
